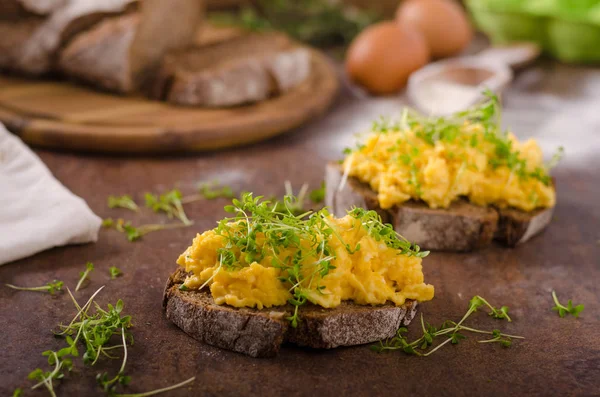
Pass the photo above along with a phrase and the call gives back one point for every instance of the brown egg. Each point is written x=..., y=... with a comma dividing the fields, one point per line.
x=382, y=57
x=444, y=24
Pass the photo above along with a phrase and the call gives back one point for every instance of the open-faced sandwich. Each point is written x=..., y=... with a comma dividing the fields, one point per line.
x=267, y=276
x=453, y=183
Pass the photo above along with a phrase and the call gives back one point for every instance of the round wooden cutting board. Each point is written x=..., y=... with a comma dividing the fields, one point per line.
x=66, y=116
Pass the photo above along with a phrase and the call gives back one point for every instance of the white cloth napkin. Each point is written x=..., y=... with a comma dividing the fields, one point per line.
x=36, y=211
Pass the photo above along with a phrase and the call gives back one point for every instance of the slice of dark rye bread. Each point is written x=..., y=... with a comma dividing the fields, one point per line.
x=260, y=333
x=122, y=53
x=462, y=227
x=244, y=69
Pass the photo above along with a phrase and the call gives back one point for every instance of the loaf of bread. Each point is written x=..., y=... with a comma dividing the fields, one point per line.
x=29, y=43
x=121, y=54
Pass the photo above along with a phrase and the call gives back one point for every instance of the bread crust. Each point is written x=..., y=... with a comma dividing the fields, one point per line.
x=241, y=70
x=107, y=46
x=462, y=227
x=260, y=333
x=516, y=227
x=30, y=44
x=121, y=54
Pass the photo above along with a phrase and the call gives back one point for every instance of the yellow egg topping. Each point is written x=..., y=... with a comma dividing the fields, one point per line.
x=264, y=257
x=440, y=160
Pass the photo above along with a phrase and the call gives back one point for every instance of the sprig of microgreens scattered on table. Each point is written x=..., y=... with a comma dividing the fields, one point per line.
x=51, y=287
x=55, y=286
x=124, y=201
x=114, y=272
x=171, y=204
x=451, y=331
x=564, y=310
x=89, y=267
x=101, y=334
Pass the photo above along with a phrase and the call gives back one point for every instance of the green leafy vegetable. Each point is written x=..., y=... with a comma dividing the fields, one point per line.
x=385, y=232
x=134, y=233
x=47, y=378
x=18, y=392
x=450, y=330
x=110, y=385
x=564, y=310
x=169, y=203
x=122, y=202
x=498, y=337
x=51, y=287
x=318, y=22
x=94, y=332
x=84, y=275
x=211, y=191
x=114, y=272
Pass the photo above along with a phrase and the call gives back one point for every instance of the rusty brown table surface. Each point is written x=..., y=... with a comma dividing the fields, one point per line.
x=558, y=356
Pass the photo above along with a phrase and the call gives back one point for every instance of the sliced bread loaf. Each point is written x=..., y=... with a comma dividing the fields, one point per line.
x=243, y=69
x=120, y=54
x=30, y=44
x=462, y=227
x=260, y=333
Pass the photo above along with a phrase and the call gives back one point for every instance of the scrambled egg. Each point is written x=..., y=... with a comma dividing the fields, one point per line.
x=401, y=165
x=373, y=274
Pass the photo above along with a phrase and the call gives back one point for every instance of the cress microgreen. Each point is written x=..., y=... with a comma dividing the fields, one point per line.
x=385, y=232
x=134, y=233
x=498, y=337
x=564, y=310
x=169, y=203
x=114, y=272
x=211, y=191
x=84, y=275
x=262, y=229
x=51, y=287
x=290, y=202
x=18, y=392
x=47, y=378
x=95, y=333
x=122, y=202
x=450, y=330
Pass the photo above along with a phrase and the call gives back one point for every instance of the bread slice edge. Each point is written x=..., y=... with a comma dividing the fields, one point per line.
x=462, y=227
x=260, y=333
